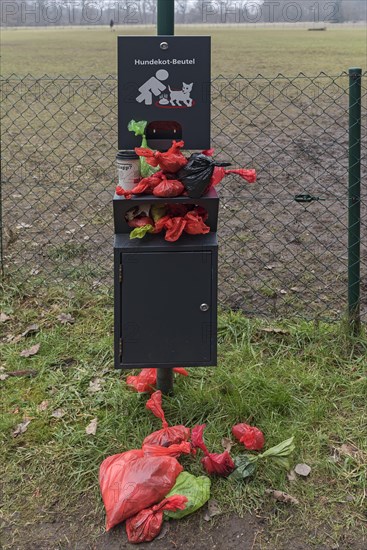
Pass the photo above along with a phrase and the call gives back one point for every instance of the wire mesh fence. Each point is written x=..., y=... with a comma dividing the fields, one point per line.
x=283, y=240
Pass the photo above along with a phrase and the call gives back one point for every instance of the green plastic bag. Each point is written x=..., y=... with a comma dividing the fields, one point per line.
x=139, y=128
x=140, y=232
x=196, y=489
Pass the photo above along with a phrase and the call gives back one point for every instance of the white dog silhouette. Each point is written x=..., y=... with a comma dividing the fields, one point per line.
x=179, y=96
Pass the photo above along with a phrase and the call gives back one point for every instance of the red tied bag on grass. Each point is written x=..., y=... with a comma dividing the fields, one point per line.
x=252, y=438
x=145, y=381
x=134, y=480
x=214, y=463
x=176, y=450
x=219, y=173
x=169, y=434
x=169, y=161
x=147, y=524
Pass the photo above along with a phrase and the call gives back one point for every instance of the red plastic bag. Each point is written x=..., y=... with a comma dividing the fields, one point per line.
x=176, y=450
x=140, y=222
x=219, y=173
x=147, y=524
x=145, y=381
x=195, y=224
x=175, y=227
x=168, y=435
x=170, y=161
x=213, y=463
x=252, y=438
x=134, y=480
x=168, y=188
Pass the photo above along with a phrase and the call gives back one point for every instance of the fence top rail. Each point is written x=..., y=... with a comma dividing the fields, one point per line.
x=238, y=76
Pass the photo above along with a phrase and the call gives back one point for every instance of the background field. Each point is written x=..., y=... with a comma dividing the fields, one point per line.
x=246, y=50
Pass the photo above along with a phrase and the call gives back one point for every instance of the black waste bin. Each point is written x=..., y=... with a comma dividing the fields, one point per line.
x=165, y=293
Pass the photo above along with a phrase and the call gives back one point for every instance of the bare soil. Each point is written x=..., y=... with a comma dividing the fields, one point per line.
x=227, y=532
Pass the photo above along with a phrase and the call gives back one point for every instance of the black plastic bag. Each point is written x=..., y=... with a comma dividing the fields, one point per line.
x=197, y=173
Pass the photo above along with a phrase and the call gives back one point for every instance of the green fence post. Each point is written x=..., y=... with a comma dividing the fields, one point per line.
x=354, y=200
x=165, y=26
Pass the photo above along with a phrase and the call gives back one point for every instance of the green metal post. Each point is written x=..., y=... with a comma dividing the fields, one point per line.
x=354, y=196
x=165, y=26
x=166, y=17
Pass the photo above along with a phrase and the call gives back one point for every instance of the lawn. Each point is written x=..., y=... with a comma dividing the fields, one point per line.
x=247, y=50
x=306, y=380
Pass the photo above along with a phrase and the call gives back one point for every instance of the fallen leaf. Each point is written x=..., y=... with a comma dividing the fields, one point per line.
x=4, y=318
x=22, y=427
x=92, y=427
x=348, y=449
x=280, y=496
x=295, y=289
x=58, y=413
x=32, y=329
x=15, y=411
x=291, y=475
x=43, y=406
x=227, y=443
x=274, y=330
x=31, y=351
x=283, y=291
x=23, y=373
x=303, y=470
x=3, y=376
x=213, y=510
x=269, y=267
x=95, y=385
x=34, y=271
x=66, y=319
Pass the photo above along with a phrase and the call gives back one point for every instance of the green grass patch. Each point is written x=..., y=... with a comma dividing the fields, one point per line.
x=308, y=381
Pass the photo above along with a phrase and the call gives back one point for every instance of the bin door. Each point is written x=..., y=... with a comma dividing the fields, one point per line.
x=163, y=319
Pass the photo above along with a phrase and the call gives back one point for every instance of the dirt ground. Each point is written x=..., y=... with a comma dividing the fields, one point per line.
x=228, y=532
x=278, y=257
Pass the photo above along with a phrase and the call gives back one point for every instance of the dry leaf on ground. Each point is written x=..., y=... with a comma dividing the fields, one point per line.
x=4, y=318
x=227, y=443
x=22, y=373
x=43, y=406
x=58, y=413
x=66, y=319
x=32, y=329
x=31, y=351
x=4, y=376
x=22, y=427
x=303, y=470
x=280, y=496
x=95, y=385
x=291, y=476
x=213, y=510
x=92, y=427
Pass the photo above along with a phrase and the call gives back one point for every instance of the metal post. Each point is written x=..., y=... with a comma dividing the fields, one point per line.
x=354, y=202
x=166, y=17
x=165, y=26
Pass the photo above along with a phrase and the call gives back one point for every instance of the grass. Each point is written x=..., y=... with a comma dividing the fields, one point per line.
x=247, y=50
x=309, y=382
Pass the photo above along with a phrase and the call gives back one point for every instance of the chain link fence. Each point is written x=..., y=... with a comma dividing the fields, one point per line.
x=278, y=256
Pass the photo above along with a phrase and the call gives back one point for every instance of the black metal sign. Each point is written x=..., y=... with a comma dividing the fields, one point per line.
x=166, y=81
